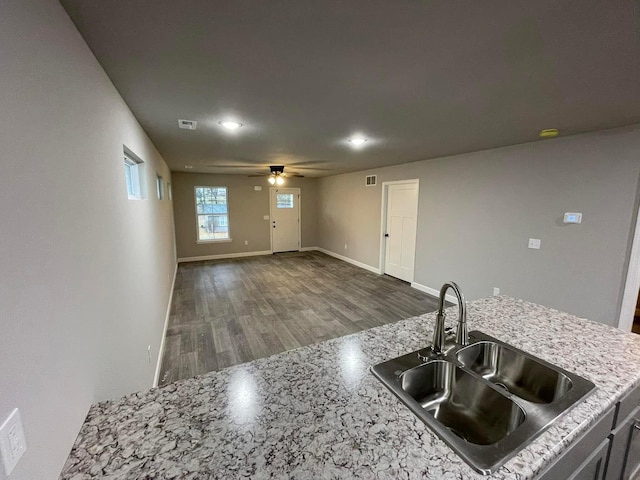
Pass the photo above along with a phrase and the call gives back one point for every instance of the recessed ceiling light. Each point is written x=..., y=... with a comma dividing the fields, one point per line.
x=230, y=124
x=358, y=140
x=188, y=166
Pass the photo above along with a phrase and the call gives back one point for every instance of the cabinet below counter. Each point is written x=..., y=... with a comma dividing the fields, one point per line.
x=608, y=450
x=317, y=412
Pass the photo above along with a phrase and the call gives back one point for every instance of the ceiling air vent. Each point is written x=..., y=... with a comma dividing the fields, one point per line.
x=187, y=124
x=371, y=180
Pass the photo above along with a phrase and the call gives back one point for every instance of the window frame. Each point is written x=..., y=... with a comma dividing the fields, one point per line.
x=197, y=215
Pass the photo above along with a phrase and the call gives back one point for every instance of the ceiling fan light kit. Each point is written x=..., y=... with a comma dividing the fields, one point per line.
x=277, y=175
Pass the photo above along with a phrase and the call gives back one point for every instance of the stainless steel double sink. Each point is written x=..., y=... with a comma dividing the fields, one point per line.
x=486, y=400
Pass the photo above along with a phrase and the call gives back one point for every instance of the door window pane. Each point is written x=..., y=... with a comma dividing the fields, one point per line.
x=284, y=200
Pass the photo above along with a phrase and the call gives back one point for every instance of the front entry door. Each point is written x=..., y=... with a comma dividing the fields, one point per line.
x=285, y=219
x=400, y=235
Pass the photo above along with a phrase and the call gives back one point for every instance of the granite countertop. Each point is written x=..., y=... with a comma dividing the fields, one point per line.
x=317, y=412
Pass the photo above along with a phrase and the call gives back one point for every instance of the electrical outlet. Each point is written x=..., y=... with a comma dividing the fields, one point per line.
x=246, y=242
x=496, y=291
x=12, y=441
x=149, y=352
x=345, y=246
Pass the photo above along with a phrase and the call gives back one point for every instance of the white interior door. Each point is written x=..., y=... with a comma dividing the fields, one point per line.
x=285, y=219
x=400, y=235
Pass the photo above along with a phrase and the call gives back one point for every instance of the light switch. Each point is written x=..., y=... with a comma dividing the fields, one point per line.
x=257, y=188
x=534, y=243
x=266, y=217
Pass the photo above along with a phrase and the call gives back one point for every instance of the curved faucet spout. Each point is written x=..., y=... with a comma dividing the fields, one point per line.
x=462, y=337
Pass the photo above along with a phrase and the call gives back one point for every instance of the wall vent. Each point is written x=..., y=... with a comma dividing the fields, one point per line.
x=187, y=124
x=370, y=180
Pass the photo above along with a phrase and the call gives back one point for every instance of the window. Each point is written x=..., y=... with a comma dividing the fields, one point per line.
x=160, y=187
x=284, y=200
x=212, y=214
x=133, y=176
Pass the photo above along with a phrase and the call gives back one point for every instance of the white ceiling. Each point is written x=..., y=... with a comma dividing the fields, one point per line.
x=420, y=78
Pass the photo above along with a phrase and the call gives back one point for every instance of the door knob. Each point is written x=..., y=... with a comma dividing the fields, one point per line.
x=386, y=234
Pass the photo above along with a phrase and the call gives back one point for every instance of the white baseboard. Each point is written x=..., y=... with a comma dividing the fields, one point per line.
x=433, y=292
x=308, y=249
x=156, y=377
x=224, y=255
x=350, y=260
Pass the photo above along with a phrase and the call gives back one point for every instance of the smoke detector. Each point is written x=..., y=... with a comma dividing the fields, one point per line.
x=187, y=124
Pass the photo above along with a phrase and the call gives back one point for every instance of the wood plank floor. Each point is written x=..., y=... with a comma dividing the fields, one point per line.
x=226, y=312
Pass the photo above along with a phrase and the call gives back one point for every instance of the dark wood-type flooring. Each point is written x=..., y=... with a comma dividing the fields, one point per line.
x=226, y=312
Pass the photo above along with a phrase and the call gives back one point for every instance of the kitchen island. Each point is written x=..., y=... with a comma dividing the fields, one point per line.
x=318, y=413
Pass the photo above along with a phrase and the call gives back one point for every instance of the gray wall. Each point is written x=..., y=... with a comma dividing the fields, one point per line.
x=477, y=211
x=247, y=208
x=86, y=273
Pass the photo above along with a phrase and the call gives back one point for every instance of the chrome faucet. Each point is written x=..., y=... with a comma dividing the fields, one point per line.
x=462, y=337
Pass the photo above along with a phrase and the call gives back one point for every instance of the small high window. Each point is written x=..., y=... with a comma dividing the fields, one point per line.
x=212, y=214
x=160, y=187
x=133, y=176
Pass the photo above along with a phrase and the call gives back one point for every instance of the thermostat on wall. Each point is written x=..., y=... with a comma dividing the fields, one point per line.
x=572, y=217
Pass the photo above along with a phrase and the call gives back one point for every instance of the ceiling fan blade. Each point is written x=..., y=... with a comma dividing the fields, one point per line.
x=232, y=166
x=299, y=167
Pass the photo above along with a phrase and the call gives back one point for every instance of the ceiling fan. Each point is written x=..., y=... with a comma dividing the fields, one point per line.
x=297, y=166
x=277, y=175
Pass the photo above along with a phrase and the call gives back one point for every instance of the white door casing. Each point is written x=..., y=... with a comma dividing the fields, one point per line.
x=400, y=210
x=632, y=284
x=284, y=209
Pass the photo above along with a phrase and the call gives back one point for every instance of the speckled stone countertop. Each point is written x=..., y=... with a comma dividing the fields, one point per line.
x=318, y=413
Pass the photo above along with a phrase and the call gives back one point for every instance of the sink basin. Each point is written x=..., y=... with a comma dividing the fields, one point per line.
x=487, y=400
x=520, y=374
x=461, y=402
